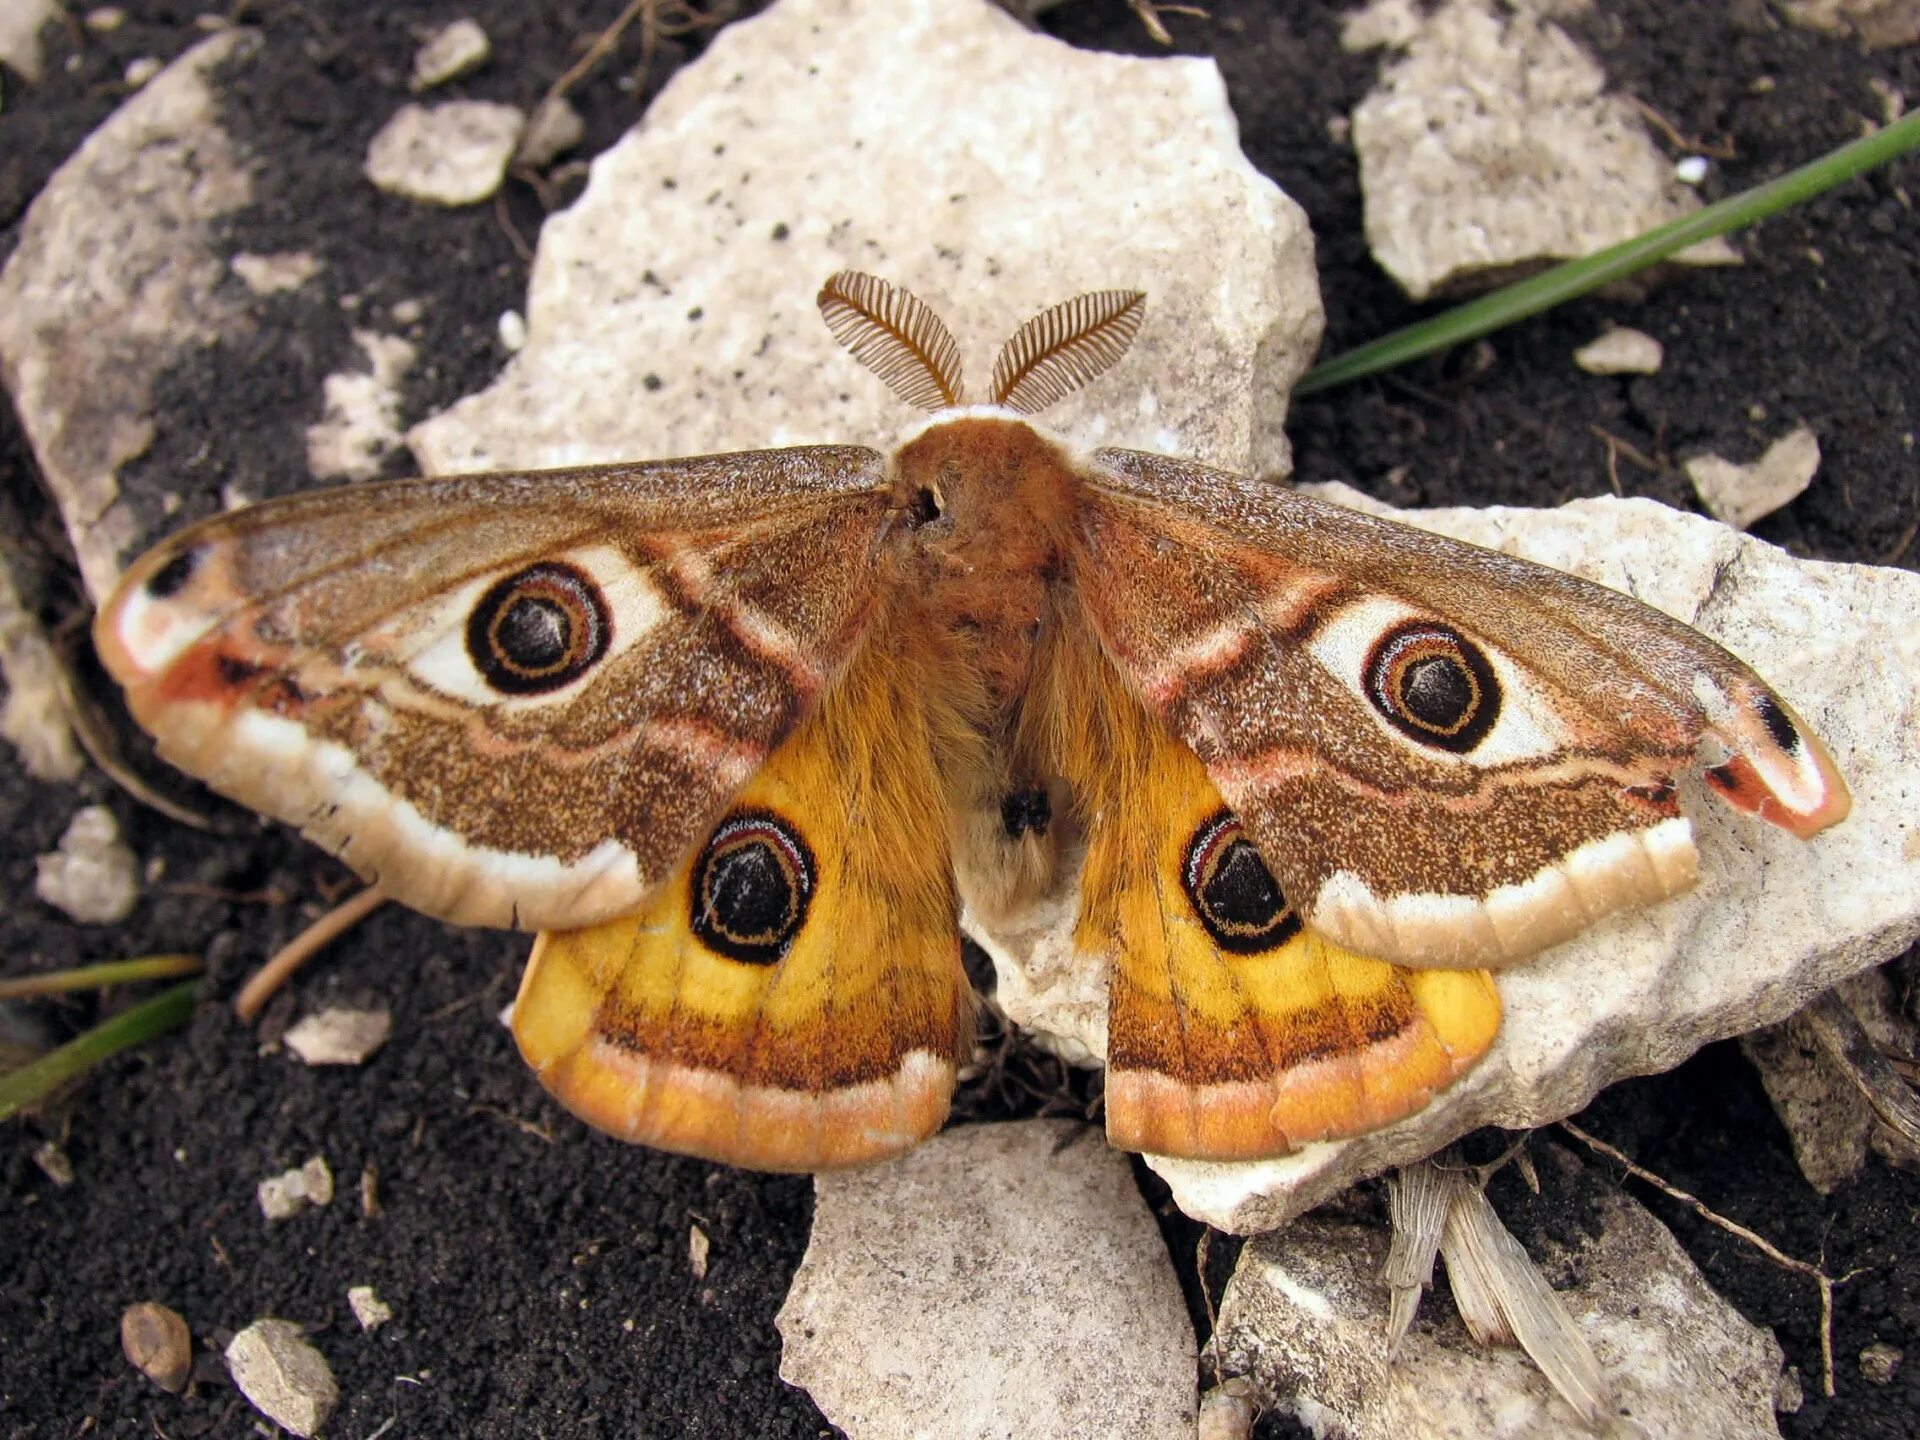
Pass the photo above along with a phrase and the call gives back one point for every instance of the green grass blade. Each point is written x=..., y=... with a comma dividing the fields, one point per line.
x=93, y=977
x=1576, y=277
x=30, y=1083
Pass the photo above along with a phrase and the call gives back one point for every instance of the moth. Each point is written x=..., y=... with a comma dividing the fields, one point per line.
x=741, y=734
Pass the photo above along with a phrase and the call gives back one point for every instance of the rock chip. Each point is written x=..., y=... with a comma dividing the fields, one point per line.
x=671, y=310
x=117, y=275
x=451, y=154
x=1305, y=1319
x=554, y=128
x=34, y=718
x=338, y=1036
x=1880, y=24
x=999, y=1280
x=458, y=49
x=273, y=274
x=368, y=1308
x=1773, y=922
x=92, y=876
x=283, y=1376
x=1491, y=147
x=1879, y=1361
x=1620, y=351
x=21, y=22
x=1742, y=494
x=285, y=1195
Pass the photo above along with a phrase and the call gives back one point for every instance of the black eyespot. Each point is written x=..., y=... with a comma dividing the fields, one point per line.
x=538, y=630
x=1026, y=810
x=1233, y=892
x=1779, y=725
x=171, y=578
x=1433, y=685
x=751, y=888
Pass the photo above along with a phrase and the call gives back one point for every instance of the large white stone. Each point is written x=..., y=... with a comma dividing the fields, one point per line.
x=116, y=276
x=283, y=1376
x=939, y=144
x=1773, y=922
x=1305, y=1318
x=1491, y=147
x=1000, y=1280
x=1741, y=494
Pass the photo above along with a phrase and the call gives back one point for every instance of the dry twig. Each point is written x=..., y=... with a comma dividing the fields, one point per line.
x=262, y=984
x=1760, y=1243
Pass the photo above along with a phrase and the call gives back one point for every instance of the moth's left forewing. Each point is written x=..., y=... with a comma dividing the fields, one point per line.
x=1447, y=756
x=508, y=699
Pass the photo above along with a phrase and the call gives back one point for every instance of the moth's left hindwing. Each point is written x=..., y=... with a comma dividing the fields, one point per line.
x=792, y=998
x=511, y=699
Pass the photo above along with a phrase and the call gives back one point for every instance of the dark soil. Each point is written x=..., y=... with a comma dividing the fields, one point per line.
x=539, y=1274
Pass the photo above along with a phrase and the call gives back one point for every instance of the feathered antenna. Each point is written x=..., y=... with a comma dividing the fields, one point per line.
x=1062, y=348
x=897, y=337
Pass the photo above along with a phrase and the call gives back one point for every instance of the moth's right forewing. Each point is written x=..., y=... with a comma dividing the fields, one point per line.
x=510, y=699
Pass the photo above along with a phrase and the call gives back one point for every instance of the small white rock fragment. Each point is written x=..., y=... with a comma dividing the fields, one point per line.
x=1620, y=351
x=362, y=419
x=285, y=1195
x=1227, y=1411
x=1880, y=24
x=34, y=717
x=368, y=1308
x=1738, y=495
x=698, y=1248
x=338, y=1036
x=461, y=47
x=157, y=1343
x=92, y=876
x=20, y=23
x=1000, y=1280
x=1690, y=169
x=513, y=331
x=556, y=127
x=272, y=274
x=408, y=311
x=54, y=1163
x=283, y=1376
x=139, y=71
x=1879, y=1361
x=105, y=19
x=452, y=154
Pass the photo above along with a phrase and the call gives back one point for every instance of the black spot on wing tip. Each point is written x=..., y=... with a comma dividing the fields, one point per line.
x=1779, y=724
x=171, y=578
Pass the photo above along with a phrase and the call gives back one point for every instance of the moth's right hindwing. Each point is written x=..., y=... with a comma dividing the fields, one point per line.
x=512, y=699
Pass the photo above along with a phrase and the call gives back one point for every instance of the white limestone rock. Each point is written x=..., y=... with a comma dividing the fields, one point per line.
x=116, y=276
x=338, y=1036
x=368, y=1308
x=92, y=876
x=1879, y=24
x=999, y=1280
x=450, y=154
x=672, y=310
x=554, y=128
x=362, y=420
x=1742, y=494
x=1492, y=148
x=1305, y=1318
x=273, y=274
x=1773, y=922
x=459, y=49
x=1620, y=351
x=283, y=1376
